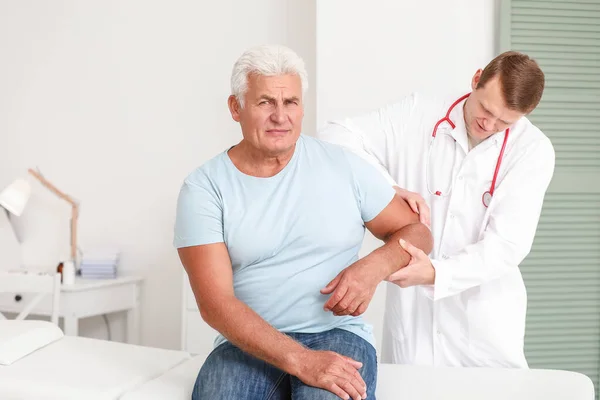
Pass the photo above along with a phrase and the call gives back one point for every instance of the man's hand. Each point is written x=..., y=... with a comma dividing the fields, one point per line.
x=353, y=289
x=419, y=270
x=333, y=372
x=417, y=204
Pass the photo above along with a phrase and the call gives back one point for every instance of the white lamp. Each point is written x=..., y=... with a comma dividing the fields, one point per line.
x=15, y=197
x=12, y=201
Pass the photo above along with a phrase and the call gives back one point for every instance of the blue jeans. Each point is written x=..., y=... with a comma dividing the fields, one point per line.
x=231, y=374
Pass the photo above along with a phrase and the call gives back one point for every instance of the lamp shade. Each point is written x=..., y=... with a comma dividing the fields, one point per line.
x=15, y=196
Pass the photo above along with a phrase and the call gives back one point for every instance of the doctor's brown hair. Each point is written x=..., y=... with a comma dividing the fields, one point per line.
x=521, y=79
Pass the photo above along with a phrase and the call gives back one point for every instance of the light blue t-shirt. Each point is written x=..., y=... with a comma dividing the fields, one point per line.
x=287, y=235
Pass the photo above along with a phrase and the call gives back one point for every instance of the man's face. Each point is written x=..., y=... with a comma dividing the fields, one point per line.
x=271, y=119
x=485, y=110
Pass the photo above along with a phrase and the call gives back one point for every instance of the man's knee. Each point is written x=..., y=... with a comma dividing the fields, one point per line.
x=229, y=373
x=355, y=347
x=301, y=391
x=216, y=379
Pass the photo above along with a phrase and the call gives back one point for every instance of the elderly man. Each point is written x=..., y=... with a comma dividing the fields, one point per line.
x=269, y=233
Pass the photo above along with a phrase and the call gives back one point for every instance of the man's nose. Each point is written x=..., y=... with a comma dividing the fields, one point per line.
x=488, y=123
x=278, y=115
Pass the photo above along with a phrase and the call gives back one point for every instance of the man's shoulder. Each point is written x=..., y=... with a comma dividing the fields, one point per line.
x=530, y=135
x=333, y=153
x=348, y=164
x=531, y=142
x=206, y=173
x=319, y=146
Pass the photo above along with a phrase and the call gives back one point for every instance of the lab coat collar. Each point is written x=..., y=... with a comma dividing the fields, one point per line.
x=494, y=141
x=459, y=133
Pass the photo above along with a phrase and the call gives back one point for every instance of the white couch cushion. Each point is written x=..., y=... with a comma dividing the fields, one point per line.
x=20, y=338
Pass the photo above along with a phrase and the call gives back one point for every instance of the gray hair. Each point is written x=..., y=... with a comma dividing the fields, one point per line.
x=266, y=60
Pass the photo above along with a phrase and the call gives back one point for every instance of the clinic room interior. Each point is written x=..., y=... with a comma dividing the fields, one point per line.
x=106, y=107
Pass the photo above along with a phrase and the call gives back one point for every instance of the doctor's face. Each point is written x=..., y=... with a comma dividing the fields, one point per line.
x=271, y=118
x=485, y=110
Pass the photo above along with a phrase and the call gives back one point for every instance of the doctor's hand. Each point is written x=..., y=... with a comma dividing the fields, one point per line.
x=352, y=289
x=419, y=270
x=417, y=204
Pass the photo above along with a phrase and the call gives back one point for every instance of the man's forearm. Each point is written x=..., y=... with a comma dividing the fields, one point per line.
x=390, y=257
x=247, y=330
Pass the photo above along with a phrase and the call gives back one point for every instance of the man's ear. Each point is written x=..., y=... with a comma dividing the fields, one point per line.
x=476, y=78
x=234, y=108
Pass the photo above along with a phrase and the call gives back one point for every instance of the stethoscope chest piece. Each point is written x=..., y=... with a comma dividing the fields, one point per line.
x=486, y=198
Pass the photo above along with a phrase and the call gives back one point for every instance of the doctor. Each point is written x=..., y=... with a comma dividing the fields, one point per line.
x=483, y=169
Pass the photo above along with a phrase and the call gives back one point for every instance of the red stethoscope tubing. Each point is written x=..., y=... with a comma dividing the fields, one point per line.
x=487, y=196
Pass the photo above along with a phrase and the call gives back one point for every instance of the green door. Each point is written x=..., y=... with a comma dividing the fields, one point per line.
x=562, y=273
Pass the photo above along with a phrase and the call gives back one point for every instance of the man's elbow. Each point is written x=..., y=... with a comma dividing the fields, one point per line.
x=418, y=234
x=212, y=312
x=426, y=237
x=207, y=315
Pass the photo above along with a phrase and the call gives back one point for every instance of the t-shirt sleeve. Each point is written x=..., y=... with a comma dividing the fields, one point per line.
x=199, y=218
x=373, y=191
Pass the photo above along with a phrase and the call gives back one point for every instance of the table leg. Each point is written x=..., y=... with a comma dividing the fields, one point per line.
x=71, y=326
x=133, y=320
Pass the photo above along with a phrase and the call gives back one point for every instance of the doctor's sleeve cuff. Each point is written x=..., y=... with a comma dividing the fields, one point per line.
x=443, y=280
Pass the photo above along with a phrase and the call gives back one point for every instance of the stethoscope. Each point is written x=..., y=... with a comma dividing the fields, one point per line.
x=486, y=198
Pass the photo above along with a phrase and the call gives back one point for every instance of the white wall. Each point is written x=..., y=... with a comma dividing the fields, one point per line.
x=372, y=53
x=117, y=101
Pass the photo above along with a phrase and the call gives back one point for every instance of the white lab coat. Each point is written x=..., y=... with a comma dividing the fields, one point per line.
x=474, y=314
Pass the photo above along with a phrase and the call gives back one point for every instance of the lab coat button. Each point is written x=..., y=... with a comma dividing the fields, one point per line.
x=444, y=256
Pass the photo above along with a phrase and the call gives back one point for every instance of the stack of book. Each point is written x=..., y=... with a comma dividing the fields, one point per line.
x=100, y=264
